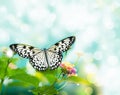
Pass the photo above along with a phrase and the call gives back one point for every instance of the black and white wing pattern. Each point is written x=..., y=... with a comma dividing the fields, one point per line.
x=54, y=53
x=25, y=51
x=63, y=45
x=54, y=59
x=39, y=61
x=35, y=55
x=47, y=58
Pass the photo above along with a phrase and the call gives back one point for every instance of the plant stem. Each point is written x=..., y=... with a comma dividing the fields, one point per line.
x=62, y=86
x=1, y=84
x=2, y=80
x=52, y=86
x=57, y=79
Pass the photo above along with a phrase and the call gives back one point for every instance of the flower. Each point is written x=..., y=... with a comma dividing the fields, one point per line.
x=68, y=69
x=12, y=66
x=8, y=52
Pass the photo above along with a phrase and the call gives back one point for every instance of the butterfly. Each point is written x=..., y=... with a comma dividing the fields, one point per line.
x=47, y=58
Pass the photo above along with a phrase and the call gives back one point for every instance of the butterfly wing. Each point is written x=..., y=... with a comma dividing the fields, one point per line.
x=63, y=45
x=39, y=61
x=54, y=59
x=35, y=55
x=25, y=51
x=54, y=53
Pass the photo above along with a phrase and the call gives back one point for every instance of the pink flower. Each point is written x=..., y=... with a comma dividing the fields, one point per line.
x=68, y=69
x=12, y=66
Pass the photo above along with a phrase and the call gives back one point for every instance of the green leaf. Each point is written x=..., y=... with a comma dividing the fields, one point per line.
x=12, y=72
x=3, y=65
x=29, y=79
x=78, y=80
x=51, y=75
x=4, y=61
x=45, y=90
x=19, y=83
x=21, y=75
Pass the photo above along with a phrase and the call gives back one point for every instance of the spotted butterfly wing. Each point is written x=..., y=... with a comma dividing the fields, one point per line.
x=63, y=45
x=25, y=51
x=39, y=61
x=55, y=51
x=35, y=55
x=54, y=59
x=47, y=58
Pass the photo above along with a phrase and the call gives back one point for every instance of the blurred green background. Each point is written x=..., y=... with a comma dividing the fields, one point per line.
x=95, y=23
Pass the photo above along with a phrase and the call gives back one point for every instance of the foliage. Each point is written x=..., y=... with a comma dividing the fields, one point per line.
x=41, y=83
x=45, y=90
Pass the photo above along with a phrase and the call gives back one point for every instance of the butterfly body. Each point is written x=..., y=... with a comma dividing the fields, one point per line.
x=46, y=58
